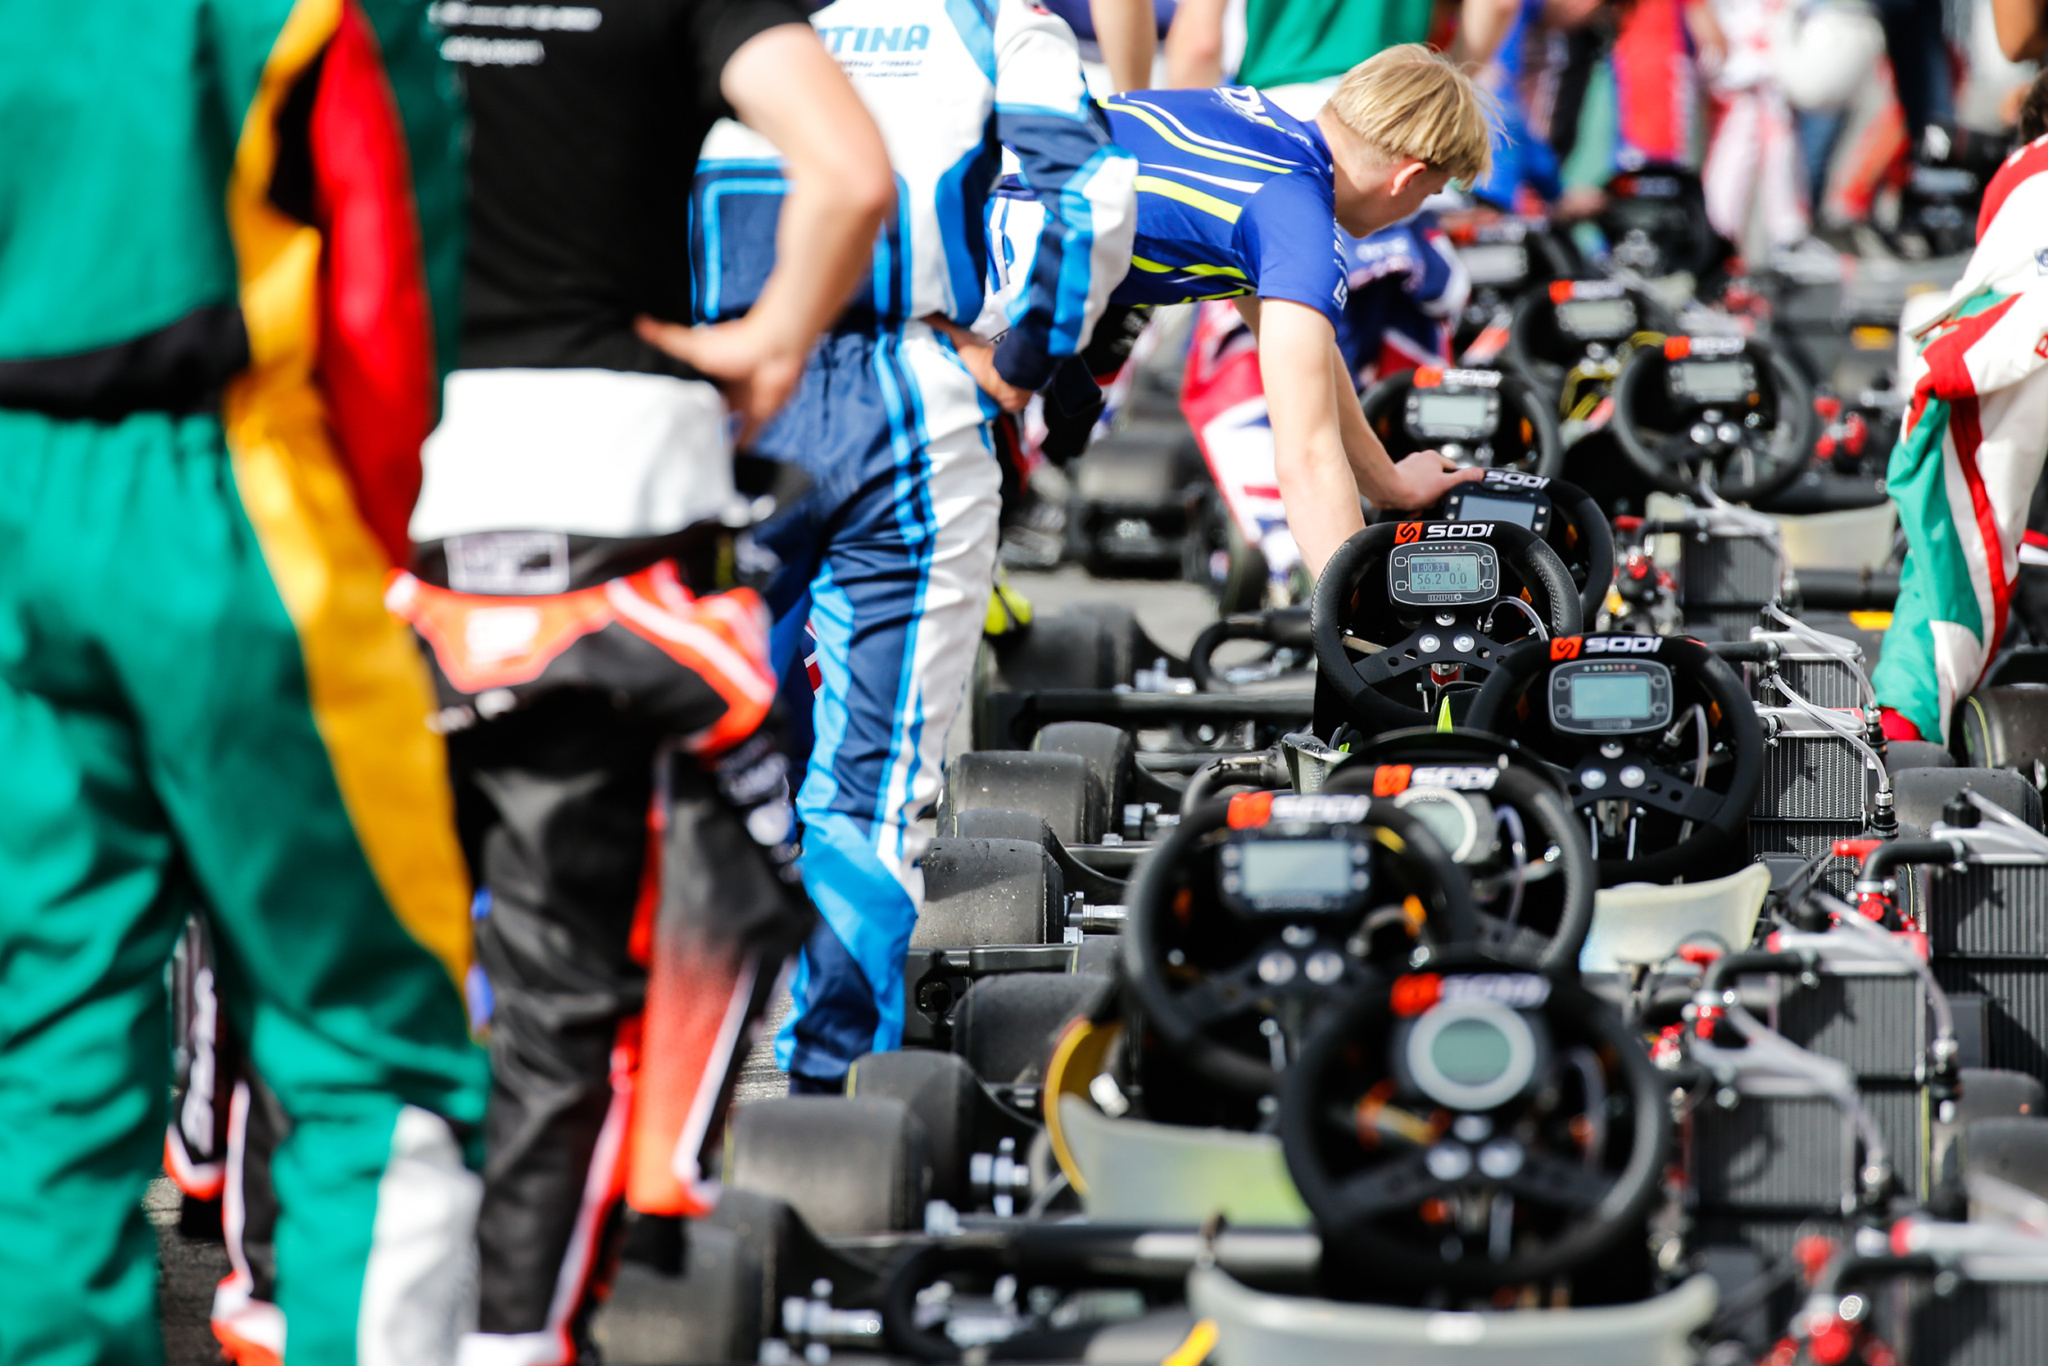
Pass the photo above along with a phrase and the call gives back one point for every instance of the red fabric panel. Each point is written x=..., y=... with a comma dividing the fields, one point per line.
x=376, y=366
x=2029, y=160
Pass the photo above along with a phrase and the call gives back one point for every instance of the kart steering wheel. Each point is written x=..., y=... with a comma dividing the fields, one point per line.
x=1505, y=820
x=1230, y=960
x=1487, y=418
x=1655, y=739
x=1564, y=515
x=1583, y=328
x=1730, y=410
x=1385, y=634
x=1473, y=1124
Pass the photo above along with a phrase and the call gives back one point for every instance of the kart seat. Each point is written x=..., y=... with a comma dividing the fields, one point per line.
x=1255, y=1327
x=1139, y=1172
x=1642, y=923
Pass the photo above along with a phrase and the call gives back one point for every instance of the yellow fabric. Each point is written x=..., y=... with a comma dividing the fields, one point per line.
x=368, y=684
x=1194, y=199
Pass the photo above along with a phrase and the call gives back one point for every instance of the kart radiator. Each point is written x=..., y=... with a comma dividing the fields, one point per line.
x=1823, y=679
x=1725, y=581
x=1980, y=1323
x=1796, y=1155
x=1811, y=777
x=1871, y=1018
x=1988, y=911
x=2016, y=1012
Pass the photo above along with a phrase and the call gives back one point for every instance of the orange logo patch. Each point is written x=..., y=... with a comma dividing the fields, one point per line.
x=1391, y=780
x=1249, y=810
x=1566, y=647
x=1406, y=532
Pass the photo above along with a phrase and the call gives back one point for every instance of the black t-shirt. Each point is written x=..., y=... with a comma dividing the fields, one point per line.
x=587, y=121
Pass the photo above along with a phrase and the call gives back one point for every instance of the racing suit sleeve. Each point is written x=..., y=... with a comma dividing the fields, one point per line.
x=1084, y=182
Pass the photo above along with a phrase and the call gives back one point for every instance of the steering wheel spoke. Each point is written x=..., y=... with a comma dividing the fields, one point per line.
x=1552, y=1181
x=1397, y=1184
x=1223, y=996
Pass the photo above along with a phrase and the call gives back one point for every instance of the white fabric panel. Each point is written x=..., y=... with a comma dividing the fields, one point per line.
x=588, y=452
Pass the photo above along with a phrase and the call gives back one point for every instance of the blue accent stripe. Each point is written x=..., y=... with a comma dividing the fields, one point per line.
x=976, y=23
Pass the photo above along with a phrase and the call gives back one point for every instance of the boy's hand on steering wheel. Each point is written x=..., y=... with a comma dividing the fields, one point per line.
x=1422, y=479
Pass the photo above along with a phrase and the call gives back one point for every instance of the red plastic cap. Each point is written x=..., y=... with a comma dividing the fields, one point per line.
x=1249, y=810
x=1415, y=993
x=1897, y=727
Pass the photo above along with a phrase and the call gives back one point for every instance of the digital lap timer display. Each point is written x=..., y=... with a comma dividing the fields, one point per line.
x=1445, y=574
x=1463, y=416
x=1265, y=874
x=1596, y=319
x=1713, y=381
x=1610, y=697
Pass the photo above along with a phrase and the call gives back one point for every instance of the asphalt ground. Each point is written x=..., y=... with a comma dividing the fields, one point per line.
x=1171, y=613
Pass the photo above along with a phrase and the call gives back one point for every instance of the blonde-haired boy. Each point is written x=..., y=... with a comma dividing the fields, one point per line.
x=1239, y=199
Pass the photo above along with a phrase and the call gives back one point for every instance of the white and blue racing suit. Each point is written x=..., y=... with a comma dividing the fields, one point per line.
x=889, y=558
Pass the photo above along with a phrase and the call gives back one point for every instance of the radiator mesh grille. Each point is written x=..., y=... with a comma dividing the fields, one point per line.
x=1823, y=682
x=1984, y=1323
x=1727, y=570
x=2016, y=1017
x=1988, y=911
x=1796, y=1153
x=1874, y=1025
x=1821, y=778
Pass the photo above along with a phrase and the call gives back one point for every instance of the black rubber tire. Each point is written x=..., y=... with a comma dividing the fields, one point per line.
x=2013, y=1149
x=1921, y=793
x=988, y=891
x=939, y=1088
x=1060, y=787
x=1111, y=754
x=1994, y=1093
x=1005, y=1027
x=2002, y=727
x=1903, y=756
x=711, y=1312
x=846, y=1165
x=1123, y=640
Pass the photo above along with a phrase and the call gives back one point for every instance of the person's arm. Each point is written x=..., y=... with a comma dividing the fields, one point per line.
x=1084, y=182
x=1324, y=454
x=782, y=83
x=2022, y=27
x=1127, y=31
x=1482, y=24
x=1194, y=45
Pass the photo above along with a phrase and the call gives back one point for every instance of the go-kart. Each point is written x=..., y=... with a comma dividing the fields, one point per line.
x=1565, y=516
x=1505, y=256
x=1656, y=740
x=1410, y=617
x=1719, y=411
x=1491, y=419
